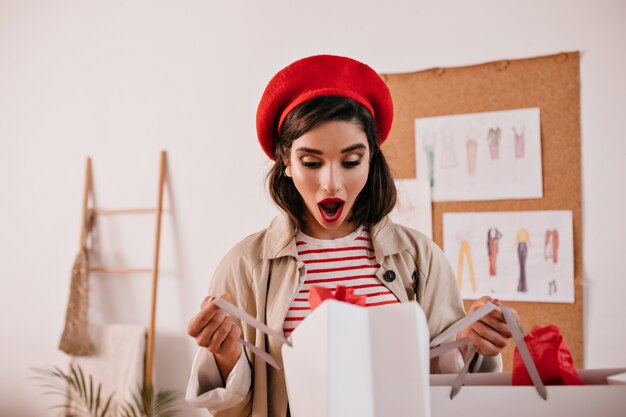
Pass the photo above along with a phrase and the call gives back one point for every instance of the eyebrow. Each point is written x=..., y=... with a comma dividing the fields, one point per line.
x=346, y=150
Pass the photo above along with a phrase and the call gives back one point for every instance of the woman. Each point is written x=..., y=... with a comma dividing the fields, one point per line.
x=322, y=120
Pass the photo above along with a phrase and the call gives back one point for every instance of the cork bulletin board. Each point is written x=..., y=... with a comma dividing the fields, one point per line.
x=550, y=83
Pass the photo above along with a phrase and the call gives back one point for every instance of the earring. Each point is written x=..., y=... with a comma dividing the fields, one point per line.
x=288, y=172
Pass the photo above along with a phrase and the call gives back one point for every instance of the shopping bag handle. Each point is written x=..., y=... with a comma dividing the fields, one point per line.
x=446, y=347
x=518, y=337
x=260, y=326
x=450, y=332
x=438, y=347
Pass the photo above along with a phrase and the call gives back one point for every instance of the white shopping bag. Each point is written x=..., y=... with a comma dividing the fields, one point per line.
x=347, y=361
x=439, y=346
x=483, y=394
x=493, y=392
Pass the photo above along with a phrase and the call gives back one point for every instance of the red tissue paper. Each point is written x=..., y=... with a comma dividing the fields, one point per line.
x=318, y=294
x=551, y=357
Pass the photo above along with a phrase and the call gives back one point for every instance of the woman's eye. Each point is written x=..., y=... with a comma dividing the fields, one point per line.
x=351, y=164
x=310, y=164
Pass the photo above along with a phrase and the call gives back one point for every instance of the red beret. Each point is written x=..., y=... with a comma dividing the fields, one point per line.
x=321, y=75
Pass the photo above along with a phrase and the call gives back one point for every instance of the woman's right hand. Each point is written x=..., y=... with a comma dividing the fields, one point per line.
x=216, y=331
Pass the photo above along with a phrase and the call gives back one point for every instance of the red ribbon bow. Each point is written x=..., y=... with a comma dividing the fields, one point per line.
x=318, y=294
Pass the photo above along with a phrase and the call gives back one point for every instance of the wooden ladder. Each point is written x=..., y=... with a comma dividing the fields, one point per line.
x=90, y=213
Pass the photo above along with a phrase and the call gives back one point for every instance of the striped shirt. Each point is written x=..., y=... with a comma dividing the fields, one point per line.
x=347, y=261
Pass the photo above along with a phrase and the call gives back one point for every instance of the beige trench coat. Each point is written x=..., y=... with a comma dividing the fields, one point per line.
x=262, y=273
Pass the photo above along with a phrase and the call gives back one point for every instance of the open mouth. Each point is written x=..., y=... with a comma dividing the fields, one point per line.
x=331, y=209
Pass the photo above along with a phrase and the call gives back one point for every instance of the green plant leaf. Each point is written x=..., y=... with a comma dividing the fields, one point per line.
x=83, y=384
x=106, y=405
x=82, y=399
x=75, y=380
x=78, y=398
x=95, y=411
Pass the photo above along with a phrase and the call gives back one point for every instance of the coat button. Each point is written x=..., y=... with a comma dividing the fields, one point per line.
x=389, y=276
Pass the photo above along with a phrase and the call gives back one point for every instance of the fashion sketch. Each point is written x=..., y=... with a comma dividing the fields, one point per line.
x=429, y=149
x=551, y=245
x=511, y=255
x=522, y=241
x=448, y=154
x=494, y=136
x=493, y=237
x=551, y=253
x=519, y=142
x=480, y=156
x=471, y=149
x=552, y=287
x=465, y=255
x=413, y=205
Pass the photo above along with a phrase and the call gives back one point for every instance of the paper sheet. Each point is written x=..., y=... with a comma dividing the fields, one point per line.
x=481, y=156
x=414, y=206
x=516, y=256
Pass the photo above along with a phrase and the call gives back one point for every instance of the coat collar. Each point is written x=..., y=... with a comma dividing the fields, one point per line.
x=280, y=239
x=386, y=239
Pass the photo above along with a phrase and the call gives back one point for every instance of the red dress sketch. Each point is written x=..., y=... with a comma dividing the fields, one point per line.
x=551, y=251
x=551, y=246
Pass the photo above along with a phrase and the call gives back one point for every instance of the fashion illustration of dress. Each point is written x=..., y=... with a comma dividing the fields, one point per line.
x=471, y=148
x=522, y=240
x=429, y=148
x=519, y=142
x=551, y=252
x=405, y=212
x=448, y=154
x=551, y=245
x=493, y=138
x=493, y=236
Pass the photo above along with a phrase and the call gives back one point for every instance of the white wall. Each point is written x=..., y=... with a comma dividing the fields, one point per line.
x=120, y=80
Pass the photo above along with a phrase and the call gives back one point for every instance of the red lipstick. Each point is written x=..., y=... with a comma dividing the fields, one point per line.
x=331, y=209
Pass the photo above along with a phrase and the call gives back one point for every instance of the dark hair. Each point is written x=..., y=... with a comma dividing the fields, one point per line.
x=377, y=198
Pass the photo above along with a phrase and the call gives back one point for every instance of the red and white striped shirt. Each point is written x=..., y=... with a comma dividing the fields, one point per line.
x=347, y=261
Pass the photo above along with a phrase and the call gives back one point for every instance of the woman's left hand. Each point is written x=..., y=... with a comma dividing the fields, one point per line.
x=489, y=334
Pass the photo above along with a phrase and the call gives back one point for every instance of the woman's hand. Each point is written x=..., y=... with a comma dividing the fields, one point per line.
x=489, y=334
x=215, y=330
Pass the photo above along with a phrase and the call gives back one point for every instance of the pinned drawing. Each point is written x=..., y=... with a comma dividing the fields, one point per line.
x=494, y=136
x=551, y=254
x=529, y=256
x=429, y=149
x=413, y=205
x=519, y=142
x=471, y=148
x=465, y=256
x=522, y=241
x=448, y=151
x=493, y=237
x=551, y=246
x=481, y=156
